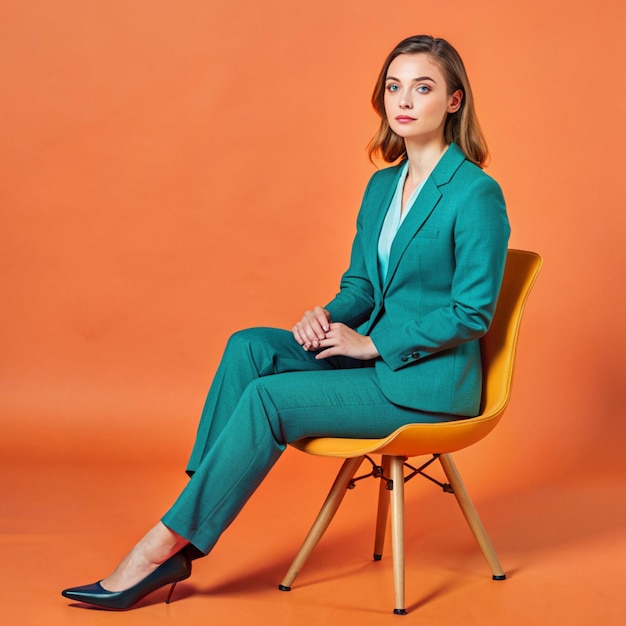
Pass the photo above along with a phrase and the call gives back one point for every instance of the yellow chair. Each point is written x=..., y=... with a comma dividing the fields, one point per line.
x=439, y=440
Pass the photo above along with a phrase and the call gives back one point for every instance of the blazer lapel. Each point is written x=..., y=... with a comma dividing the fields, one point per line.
x=380, y=202
x=424, y=205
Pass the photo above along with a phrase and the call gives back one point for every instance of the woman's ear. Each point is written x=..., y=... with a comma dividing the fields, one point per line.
x=455, y=101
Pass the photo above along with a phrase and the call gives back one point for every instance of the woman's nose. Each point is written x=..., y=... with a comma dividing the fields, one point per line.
x=406, y=102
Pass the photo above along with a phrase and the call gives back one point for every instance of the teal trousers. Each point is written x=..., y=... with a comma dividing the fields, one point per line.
x=267, y=392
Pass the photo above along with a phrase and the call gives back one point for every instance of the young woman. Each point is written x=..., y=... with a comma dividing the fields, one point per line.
x=398, y=344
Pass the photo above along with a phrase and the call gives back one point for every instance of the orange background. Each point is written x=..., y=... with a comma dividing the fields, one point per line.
x=174, y=171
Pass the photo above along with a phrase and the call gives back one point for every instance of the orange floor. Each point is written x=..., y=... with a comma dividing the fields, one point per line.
x=562, y=544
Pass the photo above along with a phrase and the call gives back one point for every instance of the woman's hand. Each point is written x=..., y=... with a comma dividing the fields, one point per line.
x=341, y=340
x=312, y=328
x=315, y=331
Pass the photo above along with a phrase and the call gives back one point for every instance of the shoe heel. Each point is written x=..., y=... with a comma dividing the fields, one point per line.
x=169, y=595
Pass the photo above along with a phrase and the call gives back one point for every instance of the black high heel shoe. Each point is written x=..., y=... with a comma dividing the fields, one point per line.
x=172, y=571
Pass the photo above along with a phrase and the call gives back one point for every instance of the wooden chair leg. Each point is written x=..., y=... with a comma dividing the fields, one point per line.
x=471, y=515
x=396, y=470
x=382, y=516
x=324, y=517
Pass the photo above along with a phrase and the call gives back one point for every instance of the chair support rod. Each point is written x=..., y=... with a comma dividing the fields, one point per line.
x=396, y=468
x=471, y=515
x=324, y=517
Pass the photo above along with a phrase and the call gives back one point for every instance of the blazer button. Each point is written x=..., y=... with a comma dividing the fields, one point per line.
x=404, y=358
x=415, y=355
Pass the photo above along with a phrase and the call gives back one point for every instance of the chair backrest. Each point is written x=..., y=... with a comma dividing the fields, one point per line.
x=498, y=348
x=499, y=344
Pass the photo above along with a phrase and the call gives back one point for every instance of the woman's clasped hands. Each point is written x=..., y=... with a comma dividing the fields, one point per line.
x=316, y=332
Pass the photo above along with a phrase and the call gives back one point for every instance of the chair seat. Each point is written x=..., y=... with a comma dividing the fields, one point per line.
x=408, y=440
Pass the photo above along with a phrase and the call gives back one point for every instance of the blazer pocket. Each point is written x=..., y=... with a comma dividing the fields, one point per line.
x=428, y=233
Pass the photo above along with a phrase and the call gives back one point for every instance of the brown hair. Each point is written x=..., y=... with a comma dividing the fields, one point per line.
x=461, y=127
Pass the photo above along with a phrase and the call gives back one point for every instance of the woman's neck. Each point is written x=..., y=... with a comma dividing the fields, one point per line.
x=422, y=160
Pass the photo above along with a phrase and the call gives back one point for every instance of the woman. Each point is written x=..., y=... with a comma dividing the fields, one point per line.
x=398, y=344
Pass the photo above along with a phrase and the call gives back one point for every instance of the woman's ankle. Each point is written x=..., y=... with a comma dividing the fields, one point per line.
x=158, y=545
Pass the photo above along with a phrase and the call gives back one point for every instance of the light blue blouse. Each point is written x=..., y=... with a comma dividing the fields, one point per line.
x=393, y=220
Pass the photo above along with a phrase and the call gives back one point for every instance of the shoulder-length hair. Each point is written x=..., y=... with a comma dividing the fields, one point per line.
x=462, y=127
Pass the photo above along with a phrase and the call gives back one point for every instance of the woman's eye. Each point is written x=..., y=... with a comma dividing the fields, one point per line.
x=423, y=89
x=392, y=88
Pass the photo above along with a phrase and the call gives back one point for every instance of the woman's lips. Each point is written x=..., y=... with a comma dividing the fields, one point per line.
x=404, y=119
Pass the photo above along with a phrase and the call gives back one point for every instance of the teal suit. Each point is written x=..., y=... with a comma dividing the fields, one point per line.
x=444, y=275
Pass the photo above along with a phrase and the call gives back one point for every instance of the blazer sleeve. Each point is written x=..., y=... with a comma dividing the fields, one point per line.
x=479, y=244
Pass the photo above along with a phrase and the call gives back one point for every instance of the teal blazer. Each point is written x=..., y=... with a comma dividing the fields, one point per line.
x=440, y=293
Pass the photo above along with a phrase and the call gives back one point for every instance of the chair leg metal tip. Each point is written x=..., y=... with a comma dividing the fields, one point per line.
x=378, y=557
x=284, y=588
x=400, y=612
x=502, y=577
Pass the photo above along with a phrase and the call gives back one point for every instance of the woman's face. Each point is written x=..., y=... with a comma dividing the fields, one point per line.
x=416, y=98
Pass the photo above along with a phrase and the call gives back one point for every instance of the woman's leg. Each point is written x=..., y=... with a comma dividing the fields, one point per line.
x=267, y=392
x=271, y=412
x=249, y=355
